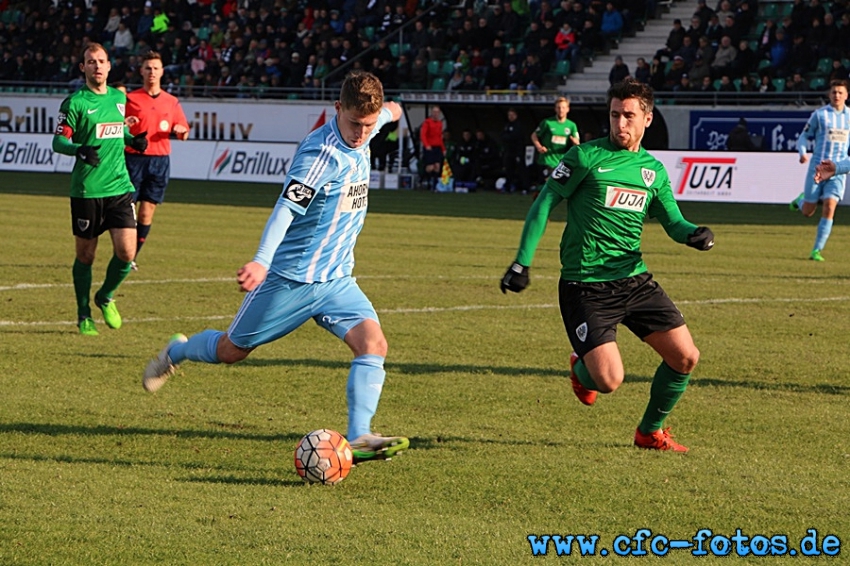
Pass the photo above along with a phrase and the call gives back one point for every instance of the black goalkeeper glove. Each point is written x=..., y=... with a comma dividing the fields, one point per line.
x=515, y=279
x=139, y=142
x=702, y=239
x=88, y=154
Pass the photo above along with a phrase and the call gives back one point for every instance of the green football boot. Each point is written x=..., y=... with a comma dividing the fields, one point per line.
x=110, y=312
x=87, y=327
x=376, y=447
x=815, y=256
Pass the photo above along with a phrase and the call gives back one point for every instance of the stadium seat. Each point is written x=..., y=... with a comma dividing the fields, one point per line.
x=769, y=10
x=779, y=84
x=448, y=67
x=817, y=83
x=434, y=67
x=763, y=64
x=560, y=71
x=439, y=83
x=369, y=32
x=824, y=65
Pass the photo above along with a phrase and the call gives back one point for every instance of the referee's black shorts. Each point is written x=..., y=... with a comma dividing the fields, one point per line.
x=592, y=311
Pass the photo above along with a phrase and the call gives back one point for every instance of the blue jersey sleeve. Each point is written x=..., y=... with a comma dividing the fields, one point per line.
x=314, y=166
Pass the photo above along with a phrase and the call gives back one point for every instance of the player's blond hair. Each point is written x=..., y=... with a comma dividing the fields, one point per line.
x=362, y=92
x=92, y=47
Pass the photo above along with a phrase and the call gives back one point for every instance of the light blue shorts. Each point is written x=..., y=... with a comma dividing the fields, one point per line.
x=279, y=306
x=831, y=188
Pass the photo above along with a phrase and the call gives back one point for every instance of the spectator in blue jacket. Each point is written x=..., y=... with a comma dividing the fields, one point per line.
x=612, y=23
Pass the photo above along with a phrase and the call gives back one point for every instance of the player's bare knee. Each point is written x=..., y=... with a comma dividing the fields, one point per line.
x=608, y=383
x=687, y=363
x=375, y=345
x=229, y=353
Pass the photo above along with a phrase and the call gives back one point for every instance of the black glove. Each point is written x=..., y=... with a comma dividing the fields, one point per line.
x=702, y=239
x=88, y=154
x=139, y=142
x=515, y=279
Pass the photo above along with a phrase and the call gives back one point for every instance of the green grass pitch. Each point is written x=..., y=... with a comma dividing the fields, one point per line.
x=95, y=471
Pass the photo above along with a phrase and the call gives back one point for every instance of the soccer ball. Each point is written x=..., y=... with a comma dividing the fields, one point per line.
x=323, y=456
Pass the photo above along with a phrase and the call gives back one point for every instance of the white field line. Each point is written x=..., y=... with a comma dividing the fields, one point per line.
x=33, y=286
x=433, y=310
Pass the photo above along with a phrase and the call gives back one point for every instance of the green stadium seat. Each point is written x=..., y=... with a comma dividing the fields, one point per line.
x=817, y=83
x=779, y=84
x=769, y=10
x=824, y=65
x=439, y=84
x=448, y=67
x=369, y=32
x=434, y=67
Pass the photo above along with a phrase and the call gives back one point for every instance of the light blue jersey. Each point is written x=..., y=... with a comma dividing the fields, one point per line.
x=830, y=130
x=327, y=189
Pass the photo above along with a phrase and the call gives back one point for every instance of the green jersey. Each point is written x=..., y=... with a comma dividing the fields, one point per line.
x=610, y=192
x=88, y=118
x=555, y=137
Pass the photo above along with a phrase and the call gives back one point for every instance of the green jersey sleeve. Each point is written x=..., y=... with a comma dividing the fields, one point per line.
x=535, y=224
x=665, y=208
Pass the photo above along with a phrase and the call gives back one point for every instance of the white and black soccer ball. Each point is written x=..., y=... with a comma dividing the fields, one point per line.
x=323, y=456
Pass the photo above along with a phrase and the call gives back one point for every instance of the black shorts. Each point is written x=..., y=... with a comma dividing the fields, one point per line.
x=592, y=311
x=149, y=175
x=91, y=217
x=432, y=156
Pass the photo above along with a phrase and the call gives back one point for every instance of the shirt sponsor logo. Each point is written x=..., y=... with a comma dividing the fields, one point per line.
x=110, y=130
x=836, y=135
x=561, y=172
x=300, y=194
x=355, y=197
x=560, y=140
x=706, y=175
x=625, y=199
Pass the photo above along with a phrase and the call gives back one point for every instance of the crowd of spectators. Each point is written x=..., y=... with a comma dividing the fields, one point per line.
x=242, y=48
x=742, y=46
x=251, y=47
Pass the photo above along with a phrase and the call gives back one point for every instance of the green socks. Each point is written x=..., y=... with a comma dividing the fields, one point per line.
x=667, y=387
x=584, y=376
x=82, y=288
x=116, y=272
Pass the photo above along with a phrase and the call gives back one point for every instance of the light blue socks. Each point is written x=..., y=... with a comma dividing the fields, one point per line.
x=365, y=381
x=200, y=348
x=824, y=228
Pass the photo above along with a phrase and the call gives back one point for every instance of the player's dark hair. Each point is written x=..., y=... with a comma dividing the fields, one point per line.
x=839, y=82
x=151, y=55
x=631, y=88
x=362, y=92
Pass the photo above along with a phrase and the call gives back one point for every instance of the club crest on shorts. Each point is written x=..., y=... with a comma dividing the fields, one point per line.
x=299, y=193
x=83, y=224
x=581, y=331
x=648, y=176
